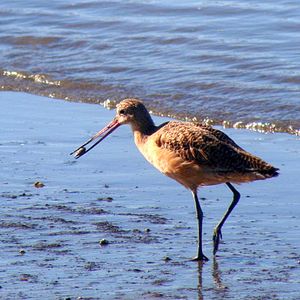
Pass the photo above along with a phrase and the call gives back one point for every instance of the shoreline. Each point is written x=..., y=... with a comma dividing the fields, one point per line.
x=114, y=194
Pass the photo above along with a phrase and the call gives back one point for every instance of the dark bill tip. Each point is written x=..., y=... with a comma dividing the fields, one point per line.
x=101, y=135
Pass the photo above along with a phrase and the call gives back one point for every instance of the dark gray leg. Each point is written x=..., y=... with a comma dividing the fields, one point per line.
x=200, y=256
x=217, y=231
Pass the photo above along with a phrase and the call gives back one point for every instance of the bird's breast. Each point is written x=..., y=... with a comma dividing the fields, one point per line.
x=168, y=162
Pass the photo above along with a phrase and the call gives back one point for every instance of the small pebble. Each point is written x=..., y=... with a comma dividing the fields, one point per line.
x=137, y=270
x=103, y=242
x=38, y=184
x=22, y=251
x=108, y=199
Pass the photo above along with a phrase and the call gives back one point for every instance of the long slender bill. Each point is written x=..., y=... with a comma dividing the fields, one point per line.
x=102, y=134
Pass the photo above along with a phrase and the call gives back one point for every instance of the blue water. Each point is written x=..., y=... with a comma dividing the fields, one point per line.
x=235, y=63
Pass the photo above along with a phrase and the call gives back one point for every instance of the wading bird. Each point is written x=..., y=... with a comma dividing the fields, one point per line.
x=193, y=154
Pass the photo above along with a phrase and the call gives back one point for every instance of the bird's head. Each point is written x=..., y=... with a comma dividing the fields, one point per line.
x=129, y=111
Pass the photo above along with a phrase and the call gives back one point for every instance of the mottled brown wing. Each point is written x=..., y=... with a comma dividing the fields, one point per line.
x=207, y=146
x=220, y=135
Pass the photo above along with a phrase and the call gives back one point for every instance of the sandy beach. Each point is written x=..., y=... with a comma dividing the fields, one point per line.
x=50, y=235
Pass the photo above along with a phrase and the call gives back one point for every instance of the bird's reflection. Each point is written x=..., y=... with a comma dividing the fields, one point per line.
x=216, y=275
x=200, y=286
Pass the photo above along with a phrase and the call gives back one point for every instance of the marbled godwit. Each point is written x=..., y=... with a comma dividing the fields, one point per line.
x=193, y=154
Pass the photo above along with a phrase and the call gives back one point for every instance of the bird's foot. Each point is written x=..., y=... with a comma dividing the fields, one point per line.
x=216, y=239
x=200, y=257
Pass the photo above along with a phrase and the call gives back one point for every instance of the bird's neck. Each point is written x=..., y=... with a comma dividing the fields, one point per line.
x=142, y=129
x=143, y=124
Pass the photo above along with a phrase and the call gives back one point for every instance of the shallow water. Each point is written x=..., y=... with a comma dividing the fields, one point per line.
x=231, y=62
x=50, y=236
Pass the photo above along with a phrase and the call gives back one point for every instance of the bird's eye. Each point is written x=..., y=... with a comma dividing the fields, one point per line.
x=122, y=112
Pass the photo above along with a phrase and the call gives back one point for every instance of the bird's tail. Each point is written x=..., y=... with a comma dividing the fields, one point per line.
x=269, y=171
x=256, y=165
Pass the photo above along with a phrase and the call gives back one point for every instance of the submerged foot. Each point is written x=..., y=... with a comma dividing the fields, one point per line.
x=200, y=257
x=216, y=239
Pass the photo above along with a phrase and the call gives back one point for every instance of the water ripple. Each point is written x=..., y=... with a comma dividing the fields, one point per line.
x=229, y=62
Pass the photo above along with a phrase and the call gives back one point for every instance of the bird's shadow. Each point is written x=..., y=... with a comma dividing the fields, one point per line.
x=216, y=276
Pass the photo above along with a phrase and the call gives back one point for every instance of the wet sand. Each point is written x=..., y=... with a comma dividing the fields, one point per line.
x=50, y=236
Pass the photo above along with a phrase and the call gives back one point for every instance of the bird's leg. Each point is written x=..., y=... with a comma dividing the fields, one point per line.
x=217, y=231
x=200, y=256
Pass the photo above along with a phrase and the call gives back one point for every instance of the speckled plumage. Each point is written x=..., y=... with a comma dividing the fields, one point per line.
x=211, y=148
x=193, y=154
